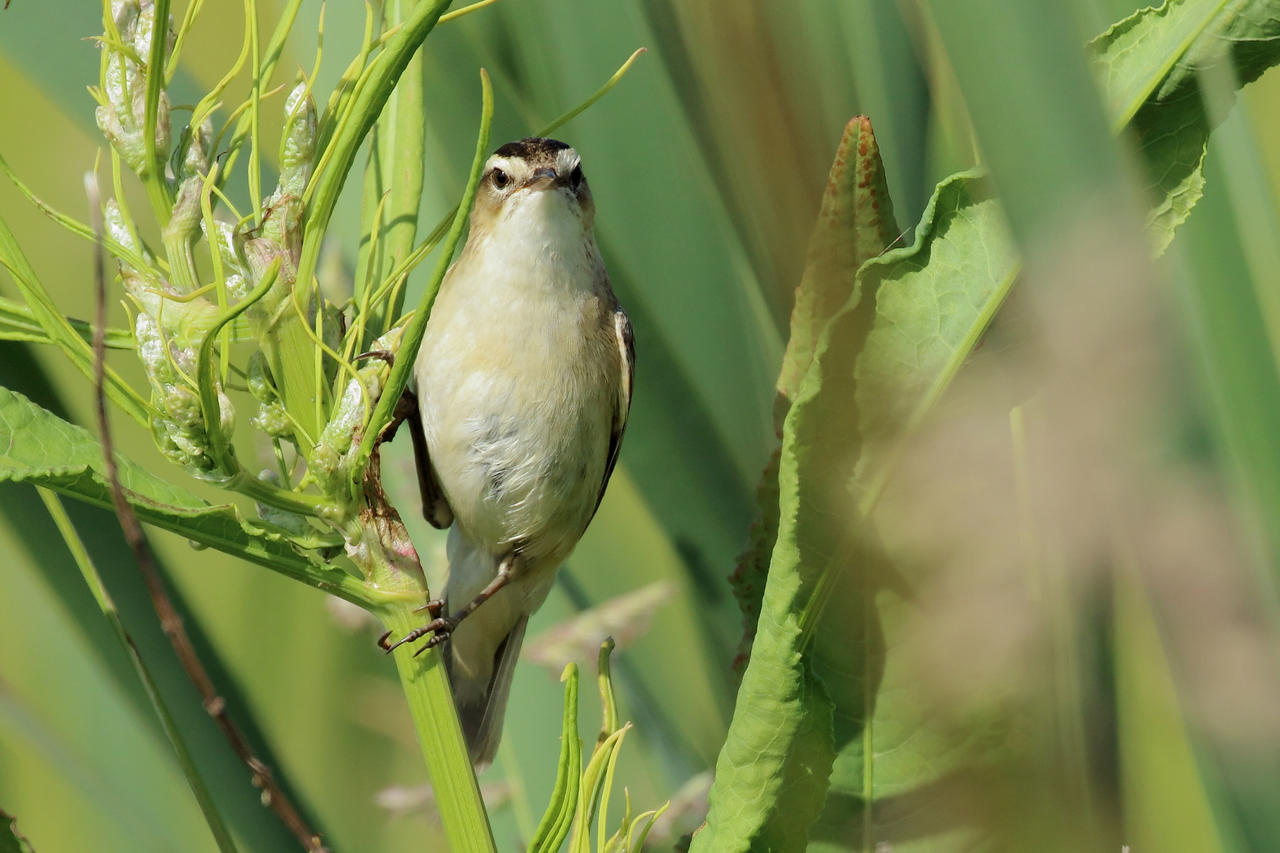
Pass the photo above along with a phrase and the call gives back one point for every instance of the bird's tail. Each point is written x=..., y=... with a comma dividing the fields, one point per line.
x=481, y=654
x=481, y=710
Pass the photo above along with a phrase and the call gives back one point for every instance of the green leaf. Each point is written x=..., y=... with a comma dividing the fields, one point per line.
x=41, y=448
x=192, y=771
x=392, y=185
x=1150, y=63
x=855, y=224
x=1220, y=299
x=933, y=300
x=1136, y=53
x=771, y=776
x=58, y=328
x=19, y=323
x=1157, y=750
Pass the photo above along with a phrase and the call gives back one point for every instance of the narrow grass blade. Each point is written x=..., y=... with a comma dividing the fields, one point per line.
x=189, y=769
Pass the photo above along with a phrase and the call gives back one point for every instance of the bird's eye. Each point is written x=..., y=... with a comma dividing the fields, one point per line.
x=500, y=178
x=576, y=175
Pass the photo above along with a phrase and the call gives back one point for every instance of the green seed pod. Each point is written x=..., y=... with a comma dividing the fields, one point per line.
x=258, y=378
x=197, y=155
x=123, y=233
x=184, y=323
x=271, y=417
x=233, y=263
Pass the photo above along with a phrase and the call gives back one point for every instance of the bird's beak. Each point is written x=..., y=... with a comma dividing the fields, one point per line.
x=545, y=175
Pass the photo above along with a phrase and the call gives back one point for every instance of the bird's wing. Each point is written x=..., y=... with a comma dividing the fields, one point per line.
x=435, y=508
x=627, y=364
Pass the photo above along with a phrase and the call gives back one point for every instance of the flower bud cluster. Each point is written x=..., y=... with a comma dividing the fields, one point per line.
x=122, y=118
x=271, y=418
x=279, y=238
x=169, y=330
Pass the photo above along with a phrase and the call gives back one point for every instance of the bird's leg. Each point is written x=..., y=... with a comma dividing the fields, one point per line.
x=442, y=626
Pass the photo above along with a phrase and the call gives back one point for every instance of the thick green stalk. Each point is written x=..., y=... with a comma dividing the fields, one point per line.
x=381, y=548
x=426, y=687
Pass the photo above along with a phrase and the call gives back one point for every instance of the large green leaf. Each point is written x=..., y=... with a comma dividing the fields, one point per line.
x=39, y=447
x=932, y=301
x=771, y=775
x=855, y=224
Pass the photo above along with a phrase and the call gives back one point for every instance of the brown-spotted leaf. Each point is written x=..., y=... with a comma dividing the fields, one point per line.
x=855, y=223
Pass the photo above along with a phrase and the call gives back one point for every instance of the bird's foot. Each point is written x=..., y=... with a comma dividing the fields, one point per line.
x=434, y=608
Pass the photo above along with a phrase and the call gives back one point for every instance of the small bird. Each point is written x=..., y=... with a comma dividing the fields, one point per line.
x=524, y=387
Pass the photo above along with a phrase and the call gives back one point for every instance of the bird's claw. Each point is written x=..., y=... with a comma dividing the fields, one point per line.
x=434, y=607
x=440, y=627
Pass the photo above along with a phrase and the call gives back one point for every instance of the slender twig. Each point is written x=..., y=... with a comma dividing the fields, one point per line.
x=170, y=622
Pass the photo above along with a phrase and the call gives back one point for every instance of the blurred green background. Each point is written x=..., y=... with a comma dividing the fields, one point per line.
x=707, y=163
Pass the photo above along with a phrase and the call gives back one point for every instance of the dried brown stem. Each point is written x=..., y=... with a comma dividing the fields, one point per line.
x=170, y=622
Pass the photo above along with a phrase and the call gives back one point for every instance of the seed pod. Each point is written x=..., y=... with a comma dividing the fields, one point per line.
x=184, y=222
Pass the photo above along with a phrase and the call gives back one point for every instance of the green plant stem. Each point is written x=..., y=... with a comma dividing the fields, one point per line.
x=426, y=688
x=291, y=356
x=90, y=573
x=369, y=100
x=157, y=188
x=265, y=493
x=394, y=171
x=380, y=548
x=275, y=47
